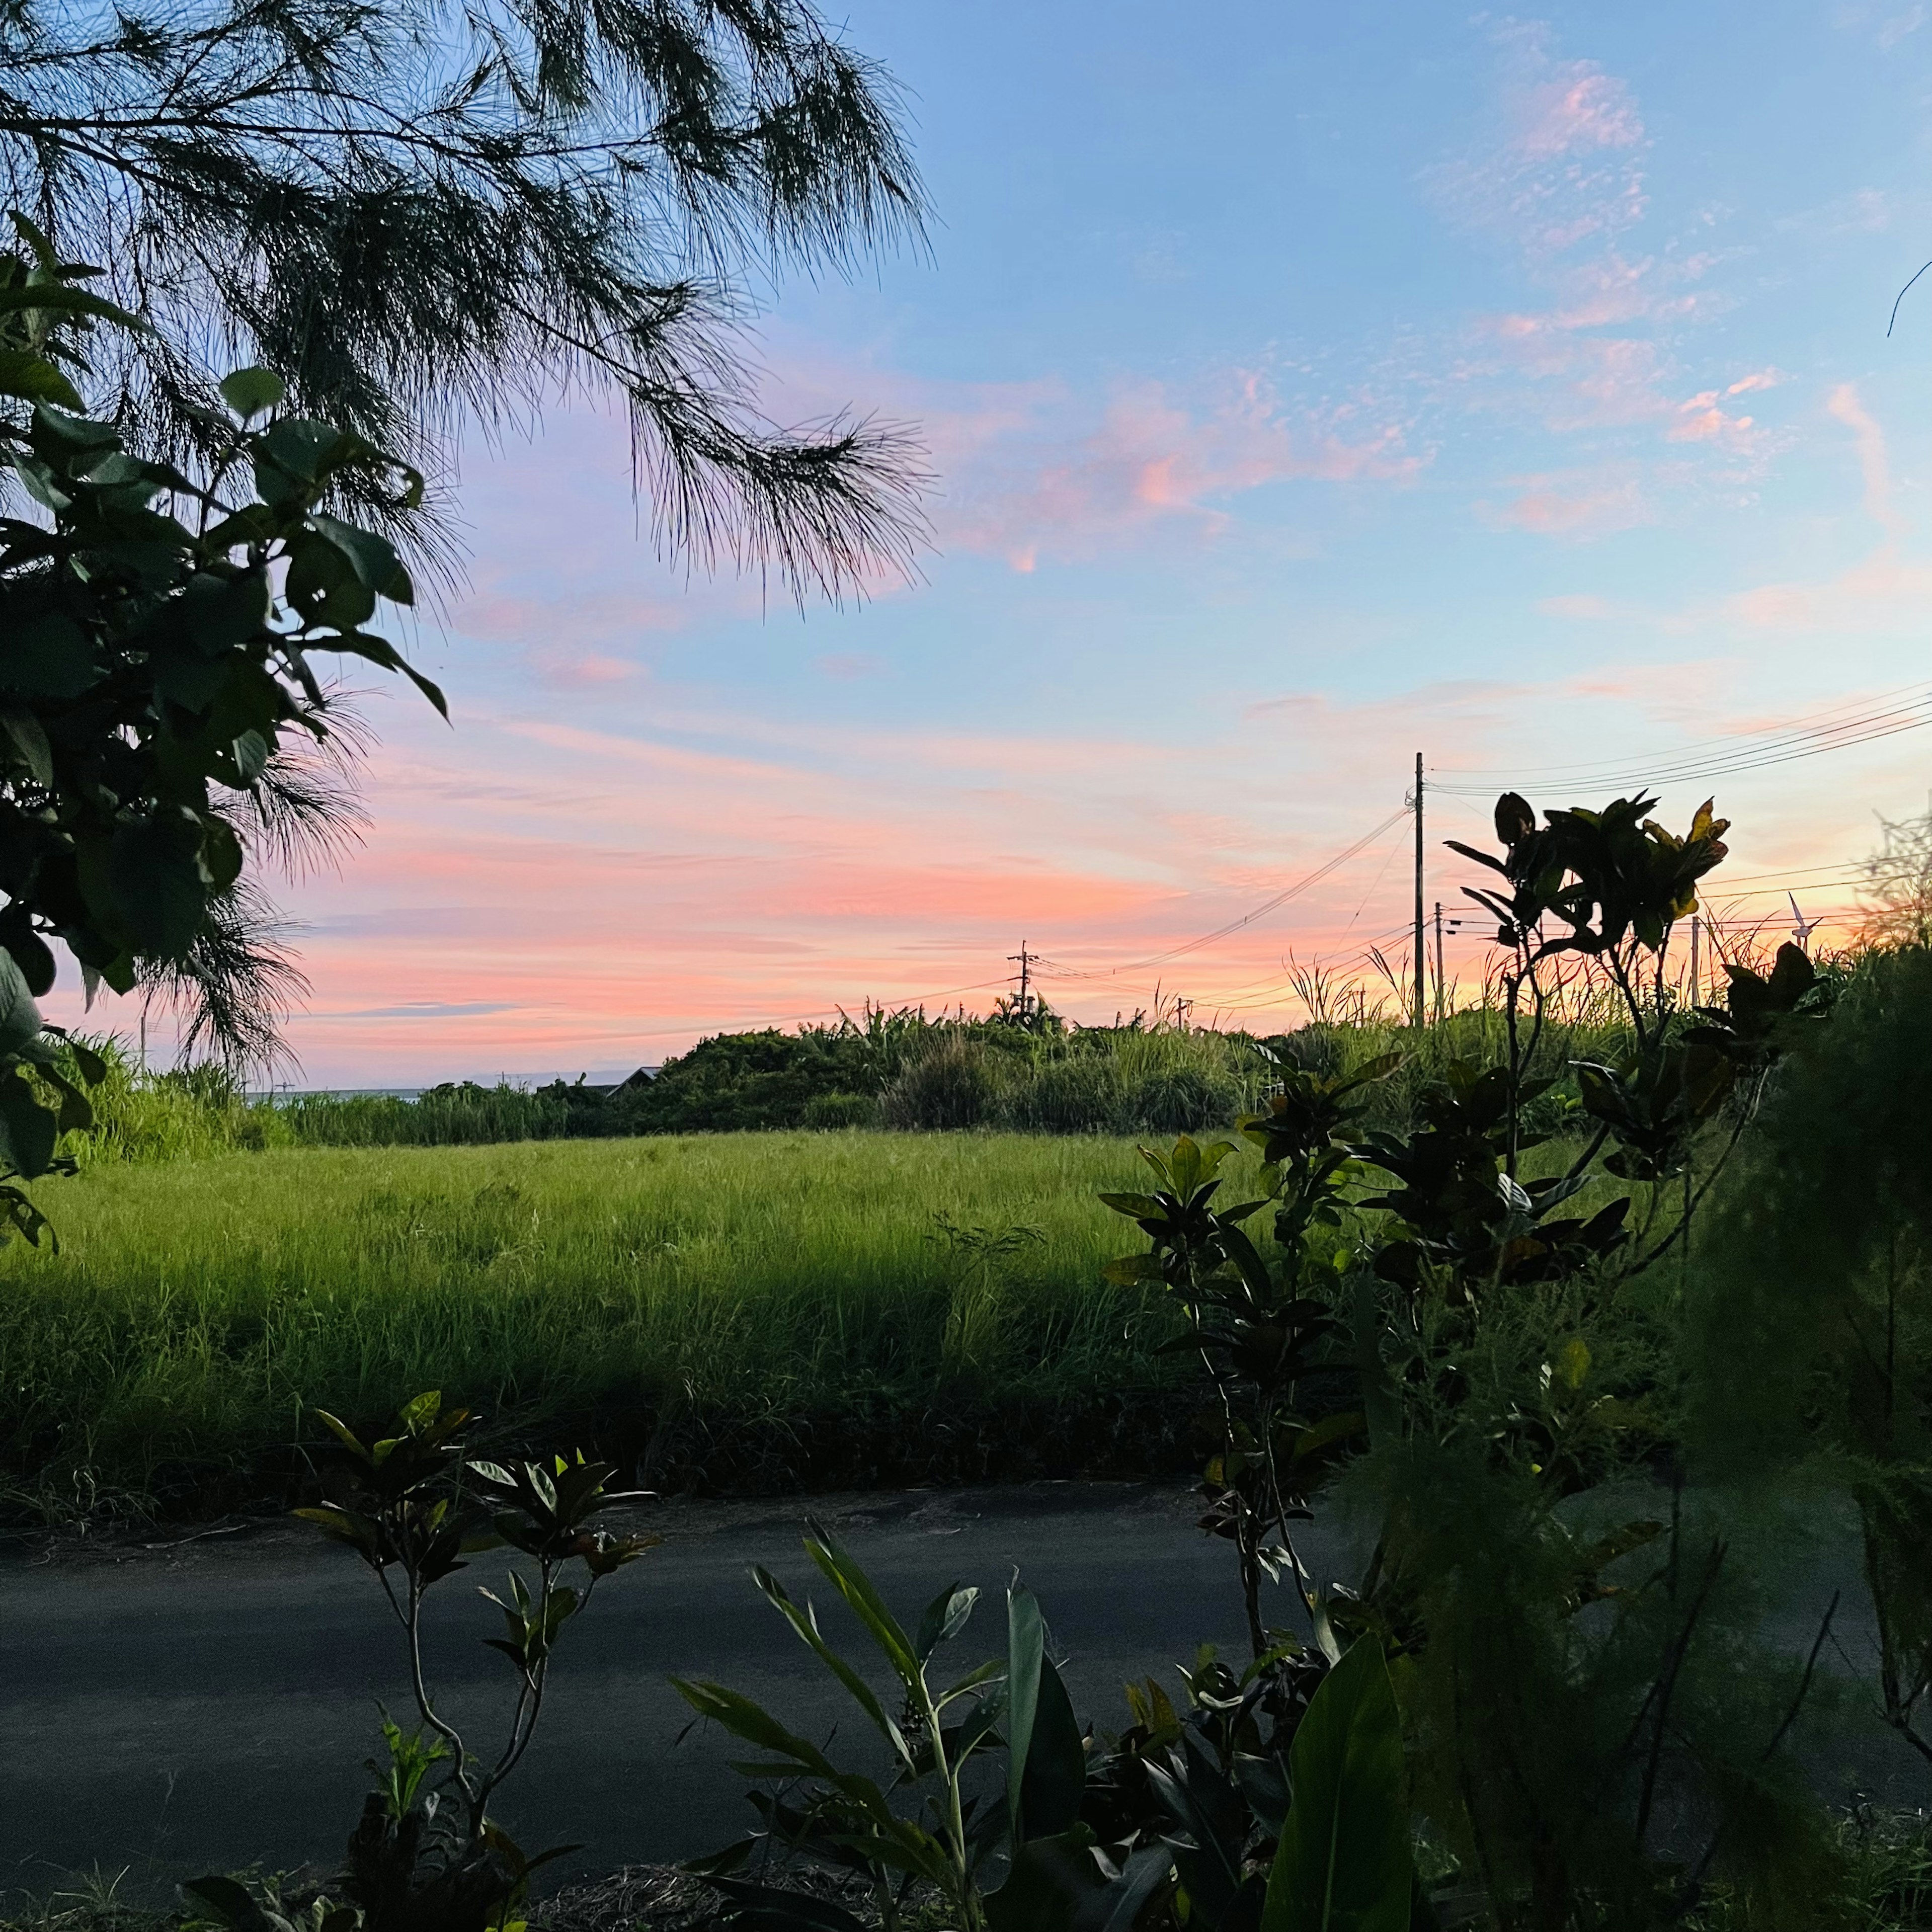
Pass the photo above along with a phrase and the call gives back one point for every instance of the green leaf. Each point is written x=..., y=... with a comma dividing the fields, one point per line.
x=34, y=379
x=221, y=855
x=1026, y=1657
x=27, y=1130
x=229, y=1901
x=374, y=558
x=76, y=1112
x=30, y=952
x=50, y=656
x=1335, y=1428
x=945, y=1617
x=250, y=753
x=1055, y=1778
x=805, y=1620
x=159, y=888
x=218, y=612
x=253, y=391
x=855, y=1587
x=750, y=1721
x=324, y=584
x=59, y=298
x=60, y=435
x=289, y=458
x=1344, y=1862
x=19, y=1017
x=380, y=650
x=1055, y=1886
x=30, y=740
x=41, y=248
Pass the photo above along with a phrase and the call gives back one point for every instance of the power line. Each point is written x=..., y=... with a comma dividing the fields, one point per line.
x=1824, y=731
x=1247, y=918
x=1730, y=740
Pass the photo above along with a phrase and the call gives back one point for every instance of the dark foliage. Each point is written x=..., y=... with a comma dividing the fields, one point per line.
x=748, y=1080
x=427, y=216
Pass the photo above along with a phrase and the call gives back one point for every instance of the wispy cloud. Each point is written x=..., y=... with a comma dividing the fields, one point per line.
x=1887, y=589
x=1043, y=473
x=1562, y=162
x=1577, y=505
x=1155, y=462
x=1606, y=361
x=1846, y=408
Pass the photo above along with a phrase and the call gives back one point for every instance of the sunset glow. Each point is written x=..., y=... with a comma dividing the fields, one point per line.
x=1300, y=391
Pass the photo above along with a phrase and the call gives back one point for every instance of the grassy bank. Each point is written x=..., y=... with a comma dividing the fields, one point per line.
x=733, y=1309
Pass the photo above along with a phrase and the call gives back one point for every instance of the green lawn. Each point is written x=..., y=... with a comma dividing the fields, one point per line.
x=764, y=1307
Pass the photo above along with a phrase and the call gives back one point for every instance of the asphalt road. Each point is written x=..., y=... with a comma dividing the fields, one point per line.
x=210, y=1705
x=206, y=1706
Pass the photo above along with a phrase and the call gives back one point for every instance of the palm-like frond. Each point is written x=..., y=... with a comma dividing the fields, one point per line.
x=232, y=990
x=432, y=218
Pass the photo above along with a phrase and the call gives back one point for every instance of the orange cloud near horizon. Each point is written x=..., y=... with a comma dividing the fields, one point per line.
x=602, y=899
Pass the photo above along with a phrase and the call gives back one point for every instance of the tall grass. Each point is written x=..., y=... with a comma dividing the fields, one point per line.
x=461, y=1114
x=674, y=1298
x=1106, y=1081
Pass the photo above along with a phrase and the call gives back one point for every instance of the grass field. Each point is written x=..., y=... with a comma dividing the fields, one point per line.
x=735, y=1308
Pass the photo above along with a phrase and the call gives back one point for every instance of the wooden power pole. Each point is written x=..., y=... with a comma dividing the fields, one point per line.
x=1421, y=966
x=1440, y=983
x=1024, y=959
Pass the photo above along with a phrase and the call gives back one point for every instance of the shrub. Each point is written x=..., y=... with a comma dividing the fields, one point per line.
x=951, y=1085
x=1183, y=1100
x=1085, y=1095
x=734, y=1082
x=1317, y=1048
x=842, y=1110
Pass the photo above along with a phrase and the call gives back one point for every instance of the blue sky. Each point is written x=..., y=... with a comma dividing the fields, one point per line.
x=1303, y=387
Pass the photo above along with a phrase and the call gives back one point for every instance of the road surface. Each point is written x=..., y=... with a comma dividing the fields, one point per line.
x=210, y=1705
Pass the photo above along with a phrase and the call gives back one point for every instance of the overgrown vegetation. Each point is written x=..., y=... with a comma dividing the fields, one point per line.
x=1575, y=1299
x=769, y=1312
x=898, y=1070
x=1536, y=1333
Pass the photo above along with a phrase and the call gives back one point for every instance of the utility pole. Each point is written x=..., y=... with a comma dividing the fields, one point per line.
x=1421, y=967
x=1697, y=990
x=1439, y=983
x=1024, y=960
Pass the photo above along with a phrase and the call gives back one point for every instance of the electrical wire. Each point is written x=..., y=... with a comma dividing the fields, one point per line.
x=1828, y=730
x=1247, y=918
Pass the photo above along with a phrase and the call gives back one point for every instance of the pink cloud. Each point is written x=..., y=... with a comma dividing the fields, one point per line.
x=559, y=897
x=1845, y=405
x=1559, y=175
x=564, y=672
x=1561, y=167
x=1885, y=590
x=1154, y=461
x=1700, y=420
x=1582, y=604
x=1578, y=108
x=1577, y=506
x=1035, y=472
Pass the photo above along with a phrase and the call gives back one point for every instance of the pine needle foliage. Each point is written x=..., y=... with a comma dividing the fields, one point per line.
x=430, y=217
